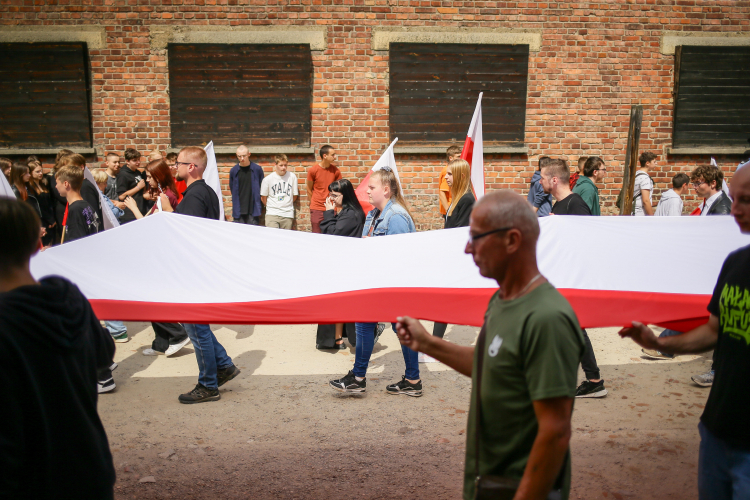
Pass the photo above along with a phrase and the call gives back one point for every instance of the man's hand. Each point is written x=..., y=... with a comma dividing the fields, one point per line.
x=165, y=205
x=412, y=334
x=641, y=335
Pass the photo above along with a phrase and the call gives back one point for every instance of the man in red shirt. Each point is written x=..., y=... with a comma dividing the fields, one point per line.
x=319, y=177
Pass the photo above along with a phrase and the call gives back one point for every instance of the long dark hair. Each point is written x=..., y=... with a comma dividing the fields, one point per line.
x=348, y=196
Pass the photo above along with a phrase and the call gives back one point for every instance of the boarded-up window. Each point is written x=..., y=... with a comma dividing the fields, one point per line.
x=712, y=96
x=44, y=95
x=259, y=95
x=434, y=90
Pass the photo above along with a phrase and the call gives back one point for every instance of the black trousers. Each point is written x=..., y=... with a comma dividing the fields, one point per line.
x=438, y=330
x=588, y=361
x=167, y=334
x=247, y=219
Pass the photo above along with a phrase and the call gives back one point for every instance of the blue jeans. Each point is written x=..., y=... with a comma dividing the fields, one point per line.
x=210, y=354
x=723, y=472
x=365, y=345
x=115, y=328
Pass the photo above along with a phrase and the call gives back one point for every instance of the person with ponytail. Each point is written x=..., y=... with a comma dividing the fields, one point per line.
x=390, y=216
x=458, y=177
x=158, y=180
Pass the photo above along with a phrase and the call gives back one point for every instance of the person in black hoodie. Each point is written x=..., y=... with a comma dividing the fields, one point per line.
x=351, y=218
x=350, y=221
x=458, y=177
x=52, y=442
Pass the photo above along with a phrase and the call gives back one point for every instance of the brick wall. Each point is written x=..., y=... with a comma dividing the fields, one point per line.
x=596, y=59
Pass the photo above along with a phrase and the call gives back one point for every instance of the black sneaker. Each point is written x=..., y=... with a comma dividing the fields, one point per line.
x=349, y=383
x=224, y=375
x=406, y=388
x=201, y=394
x=106, y=385
x=379, y=331
x=591, y=389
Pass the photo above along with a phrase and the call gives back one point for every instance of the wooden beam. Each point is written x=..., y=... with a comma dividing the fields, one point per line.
x=631, y=160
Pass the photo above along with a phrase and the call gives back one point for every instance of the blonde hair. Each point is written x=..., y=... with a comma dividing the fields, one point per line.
x=155, y=155
x=280, y=157
x=100, y=176
x=197, y=155
x=461, y=171
x=388, y=178
x=72, y=174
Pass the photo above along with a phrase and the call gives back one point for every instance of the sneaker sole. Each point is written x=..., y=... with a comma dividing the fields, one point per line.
x=702, y=384
x=122, y=341
x=182, y=344
x=205, y=400
x=651, y=356
x=350, y=391
x=236, y=372
x=413, y=394
x=599, y=394
x=105, y=389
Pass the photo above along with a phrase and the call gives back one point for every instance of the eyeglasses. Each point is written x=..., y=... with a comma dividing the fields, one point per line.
x=178, y=163
x=473, y=238
x=696, y=185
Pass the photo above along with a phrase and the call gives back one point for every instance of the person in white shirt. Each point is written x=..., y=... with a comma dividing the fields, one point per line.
x=643, y=186
x=279, y=193
x=670, y=203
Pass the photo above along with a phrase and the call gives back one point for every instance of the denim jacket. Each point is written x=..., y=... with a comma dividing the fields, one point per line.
x=394, y=219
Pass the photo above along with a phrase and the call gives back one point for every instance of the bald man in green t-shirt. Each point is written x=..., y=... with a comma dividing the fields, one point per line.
x=529, y=350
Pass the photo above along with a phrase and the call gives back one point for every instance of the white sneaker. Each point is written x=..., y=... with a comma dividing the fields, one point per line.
x=424, y=358
x=176, y=347
x=151, y=352
x=105, y=385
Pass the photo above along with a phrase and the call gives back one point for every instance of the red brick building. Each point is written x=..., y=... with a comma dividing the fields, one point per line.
x=576, y=70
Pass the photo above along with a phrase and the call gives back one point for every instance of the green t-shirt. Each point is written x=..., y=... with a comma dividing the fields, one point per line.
x=533, y=345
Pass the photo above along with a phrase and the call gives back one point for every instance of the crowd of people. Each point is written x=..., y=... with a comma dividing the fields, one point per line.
x=524, y=377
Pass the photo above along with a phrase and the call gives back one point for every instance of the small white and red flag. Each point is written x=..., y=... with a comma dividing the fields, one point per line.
x=473, y=151
x=386, y=160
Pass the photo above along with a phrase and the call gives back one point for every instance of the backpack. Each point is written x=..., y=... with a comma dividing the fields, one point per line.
x=636, y=196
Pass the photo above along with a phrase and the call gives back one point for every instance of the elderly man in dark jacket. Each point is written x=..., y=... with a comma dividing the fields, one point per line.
x=245, y=179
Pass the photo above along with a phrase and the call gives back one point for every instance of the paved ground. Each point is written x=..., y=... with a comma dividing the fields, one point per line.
x=279, y=432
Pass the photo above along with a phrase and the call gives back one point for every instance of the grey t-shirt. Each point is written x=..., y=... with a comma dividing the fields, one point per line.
x=111, y=191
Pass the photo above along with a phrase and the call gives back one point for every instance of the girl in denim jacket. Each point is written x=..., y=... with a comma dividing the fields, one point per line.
x=390, y=216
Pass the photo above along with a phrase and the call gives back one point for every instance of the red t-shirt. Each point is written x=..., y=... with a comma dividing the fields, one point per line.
x=322, y=178
x=181, y=187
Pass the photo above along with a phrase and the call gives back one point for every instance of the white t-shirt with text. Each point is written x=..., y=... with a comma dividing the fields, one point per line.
x=280, y=191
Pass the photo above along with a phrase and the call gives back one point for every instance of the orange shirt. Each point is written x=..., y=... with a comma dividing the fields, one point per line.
x=443, y=186
x=322, y=178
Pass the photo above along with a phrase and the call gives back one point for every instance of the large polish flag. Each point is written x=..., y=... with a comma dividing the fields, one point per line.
x=5, y=189
x=110, y=220
x=473, y=151
x=383, y=278
x=387, y=159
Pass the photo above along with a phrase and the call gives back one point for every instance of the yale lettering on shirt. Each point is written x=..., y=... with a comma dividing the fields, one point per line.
x=281, y=189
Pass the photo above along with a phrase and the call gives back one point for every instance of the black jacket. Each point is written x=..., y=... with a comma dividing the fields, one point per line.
x=90, y=193
x=347, y=223
x=52, y=440
x=58, y=201
x=460, y=215
x=722, y=206
x=30, y=199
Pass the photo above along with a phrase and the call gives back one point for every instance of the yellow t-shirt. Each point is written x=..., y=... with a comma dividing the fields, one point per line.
x=443, y=186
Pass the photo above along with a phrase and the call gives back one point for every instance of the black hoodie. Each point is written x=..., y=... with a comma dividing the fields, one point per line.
x=52, y=442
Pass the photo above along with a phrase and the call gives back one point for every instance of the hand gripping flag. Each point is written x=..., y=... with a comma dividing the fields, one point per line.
x=211, y=176
x=473, y=151
x=387, y=159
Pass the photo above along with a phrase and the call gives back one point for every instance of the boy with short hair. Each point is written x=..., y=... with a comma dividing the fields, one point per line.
x=279, y=192
x=444, y=190
x=670, y=203
x=643, y=187
x=102, y=179
x=130, y=182
x=171, y=160
x=112, y=168
x=319, y=177
x=578, y=173
x=82, y=219
x=53, y=352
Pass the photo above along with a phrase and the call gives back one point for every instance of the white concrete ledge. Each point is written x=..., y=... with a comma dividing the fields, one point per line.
x=382, y=38
x=315, y=36
x=260, y=150
x=671, y=39
x=44, y=151
x=441, y=150
x=706, y=150
x=93, y=36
